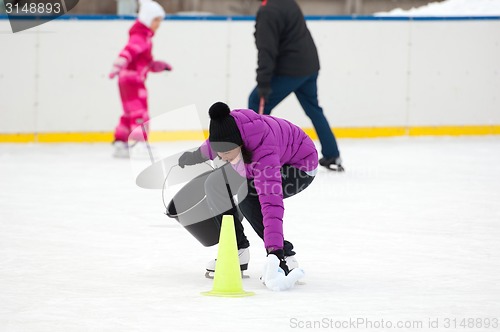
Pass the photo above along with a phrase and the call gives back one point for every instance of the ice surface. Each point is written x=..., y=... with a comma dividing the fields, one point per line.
x=410, y=232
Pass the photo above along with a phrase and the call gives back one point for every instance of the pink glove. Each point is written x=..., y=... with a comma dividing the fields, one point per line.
x=118, y=65
x=157, y=66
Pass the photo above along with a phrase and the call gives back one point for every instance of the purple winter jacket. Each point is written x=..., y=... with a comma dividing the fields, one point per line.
x=273, y=143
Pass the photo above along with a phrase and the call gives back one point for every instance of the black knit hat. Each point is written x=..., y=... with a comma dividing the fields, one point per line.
x=224, y=134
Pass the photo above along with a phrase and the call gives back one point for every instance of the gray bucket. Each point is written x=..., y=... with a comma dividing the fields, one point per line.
x=192, y=212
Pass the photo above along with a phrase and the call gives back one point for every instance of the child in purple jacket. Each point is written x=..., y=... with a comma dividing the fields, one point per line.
x=268, y=160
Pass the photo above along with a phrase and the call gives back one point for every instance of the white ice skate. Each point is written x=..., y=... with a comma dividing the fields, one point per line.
x=243, y=255
x=121, y=149
x=141, y=151
x=291, y=262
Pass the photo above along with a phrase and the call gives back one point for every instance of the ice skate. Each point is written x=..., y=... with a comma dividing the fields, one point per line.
x=243, y=255
x=140, y=151
x=333, y=164
x=121, y=149
x=289, y=254
x=291, y=262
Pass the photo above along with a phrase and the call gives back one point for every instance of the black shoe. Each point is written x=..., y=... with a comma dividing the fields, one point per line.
x=333, y=164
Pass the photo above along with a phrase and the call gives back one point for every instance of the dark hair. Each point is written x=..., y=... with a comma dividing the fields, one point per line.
x=247, y=155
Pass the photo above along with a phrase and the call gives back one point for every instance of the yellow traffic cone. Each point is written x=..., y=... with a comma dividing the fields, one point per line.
x=227, y=278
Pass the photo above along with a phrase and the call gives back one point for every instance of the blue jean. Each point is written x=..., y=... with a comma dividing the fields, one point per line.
x=306, y=90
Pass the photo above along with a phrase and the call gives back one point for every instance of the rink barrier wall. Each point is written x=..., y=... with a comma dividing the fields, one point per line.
x=431, y=83
x=170, y=136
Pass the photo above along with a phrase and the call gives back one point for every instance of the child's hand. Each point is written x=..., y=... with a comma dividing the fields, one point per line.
x=118, y=65
x=275, y=278
x=157, y=66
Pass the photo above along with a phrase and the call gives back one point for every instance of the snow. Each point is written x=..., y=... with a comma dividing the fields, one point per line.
x=194, y=13
x=450, y=8
x=409, y=233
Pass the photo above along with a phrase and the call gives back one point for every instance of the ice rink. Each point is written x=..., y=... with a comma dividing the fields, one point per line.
x=409, y=235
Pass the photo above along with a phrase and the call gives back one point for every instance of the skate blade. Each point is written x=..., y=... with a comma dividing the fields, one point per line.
x=335, y=168
x=210, y=275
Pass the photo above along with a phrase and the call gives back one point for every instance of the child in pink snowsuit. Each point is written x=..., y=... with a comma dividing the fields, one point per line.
x=132, y=67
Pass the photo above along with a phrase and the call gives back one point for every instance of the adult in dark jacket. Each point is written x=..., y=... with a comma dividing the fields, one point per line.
x=288, y=62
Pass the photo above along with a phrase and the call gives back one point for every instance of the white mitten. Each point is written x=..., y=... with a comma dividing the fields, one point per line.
x=274, y=277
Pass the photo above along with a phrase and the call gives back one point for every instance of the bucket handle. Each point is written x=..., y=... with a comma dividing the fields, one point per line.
x=163, y=192
x=180, y=214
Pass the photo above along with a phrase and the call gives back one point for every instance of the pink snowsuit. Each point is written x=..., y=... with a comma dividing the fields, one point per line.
x=131, y=83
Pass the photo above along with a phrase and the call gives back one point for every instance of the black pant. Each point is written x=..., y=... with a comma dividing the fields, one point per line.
x=218, y=199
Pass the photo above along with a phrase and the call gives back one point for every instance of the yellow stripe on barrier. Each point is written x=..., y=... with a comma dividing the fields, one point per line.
x=180, y=135
x=369, y=132
x=454, y=131
x=92, y=137
x=193, y=135
x=17, y=138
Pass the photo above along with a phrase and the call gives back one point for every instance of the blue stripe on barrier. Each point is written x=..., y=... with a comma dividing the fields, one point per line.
x=252, y=18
